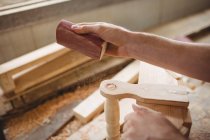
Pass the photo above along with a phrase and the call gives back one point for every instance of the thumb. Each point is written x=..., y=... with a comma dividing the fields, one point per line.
x=139, y=109
x=135, y=108
x=83, y=29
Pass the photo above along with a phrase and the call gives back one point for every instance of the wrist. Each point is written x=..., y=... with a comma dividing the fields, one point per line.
x=136, y=44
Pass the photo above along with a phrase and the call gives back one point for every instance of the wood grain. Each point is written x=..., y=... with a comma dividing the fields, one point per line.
x=88, y=44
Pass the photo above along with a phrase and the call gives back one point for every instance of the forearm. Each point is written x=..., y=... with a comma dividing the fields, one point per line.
x=186, y=58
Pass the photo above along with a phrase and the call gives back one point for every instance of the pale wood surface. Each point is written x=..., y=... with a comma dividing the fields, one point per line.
x=147, y=93
x=41, y=55
x=50, y=69
x=178, y=116
x=93, y=104
x=27, y=62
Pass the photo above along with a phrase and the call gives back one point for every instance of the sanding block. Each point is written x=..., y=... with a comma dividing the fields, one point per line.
x=88, y=44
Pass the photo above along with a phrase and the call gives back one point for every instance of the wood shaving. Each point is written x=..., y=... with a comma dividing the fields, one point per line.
x=40, y=115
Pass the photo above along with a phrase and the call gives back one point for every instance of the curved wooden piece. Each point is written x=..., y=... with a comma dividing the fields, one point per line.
x=146, y=93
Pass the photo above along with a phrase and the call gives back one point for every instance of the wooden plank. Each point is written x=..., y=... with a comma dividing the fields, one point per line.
x=185, y=26
x=14, y=66
x=41, y=55
x=176, y=115
x=46, y=71
x=93, y=105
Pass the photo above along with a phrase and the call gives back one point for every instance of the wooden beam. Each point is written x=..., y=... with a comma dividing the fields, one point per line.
x=50, y=69
x=93, y=104
x=8, y=69
x=38, y=56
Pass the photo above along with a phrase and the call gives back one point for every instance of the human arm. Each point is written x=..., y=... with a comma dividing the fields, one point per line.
x=191, y=59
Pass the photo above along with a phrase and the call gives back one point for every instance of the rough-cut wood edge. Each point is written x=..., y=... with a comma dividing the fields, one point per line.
x=93, y=104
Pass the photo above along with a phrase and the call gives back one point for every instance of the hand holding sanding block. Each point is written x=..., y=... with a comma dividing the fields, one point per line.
x=88, y=44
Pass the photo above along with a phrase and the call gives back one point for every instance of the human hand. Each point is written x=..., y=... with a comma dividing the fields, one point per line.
x=113, y=34
x=146, y=124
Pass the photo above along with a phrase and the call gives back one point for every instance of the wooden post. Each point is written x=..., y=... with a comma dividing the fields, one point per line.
x=112, y=115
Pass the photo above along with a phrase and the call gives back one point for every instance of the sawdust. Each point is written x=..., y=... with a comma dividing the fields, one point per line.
x=25, y=123
x=69, y=129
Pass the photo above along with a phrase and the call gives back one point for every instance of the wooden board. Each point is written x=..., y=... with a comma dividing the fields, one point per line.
x=8, y=69
x=41, y=55
x=52, y=68
x=178, y=116
x=93, y=105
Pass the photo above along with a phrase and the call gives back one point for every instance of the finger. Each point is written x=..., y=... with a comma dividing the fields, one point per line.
x=126, y=126
x=142, y=109
x=139, y=109
x=82, y=29
x=128, y=117
x=126, y=136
